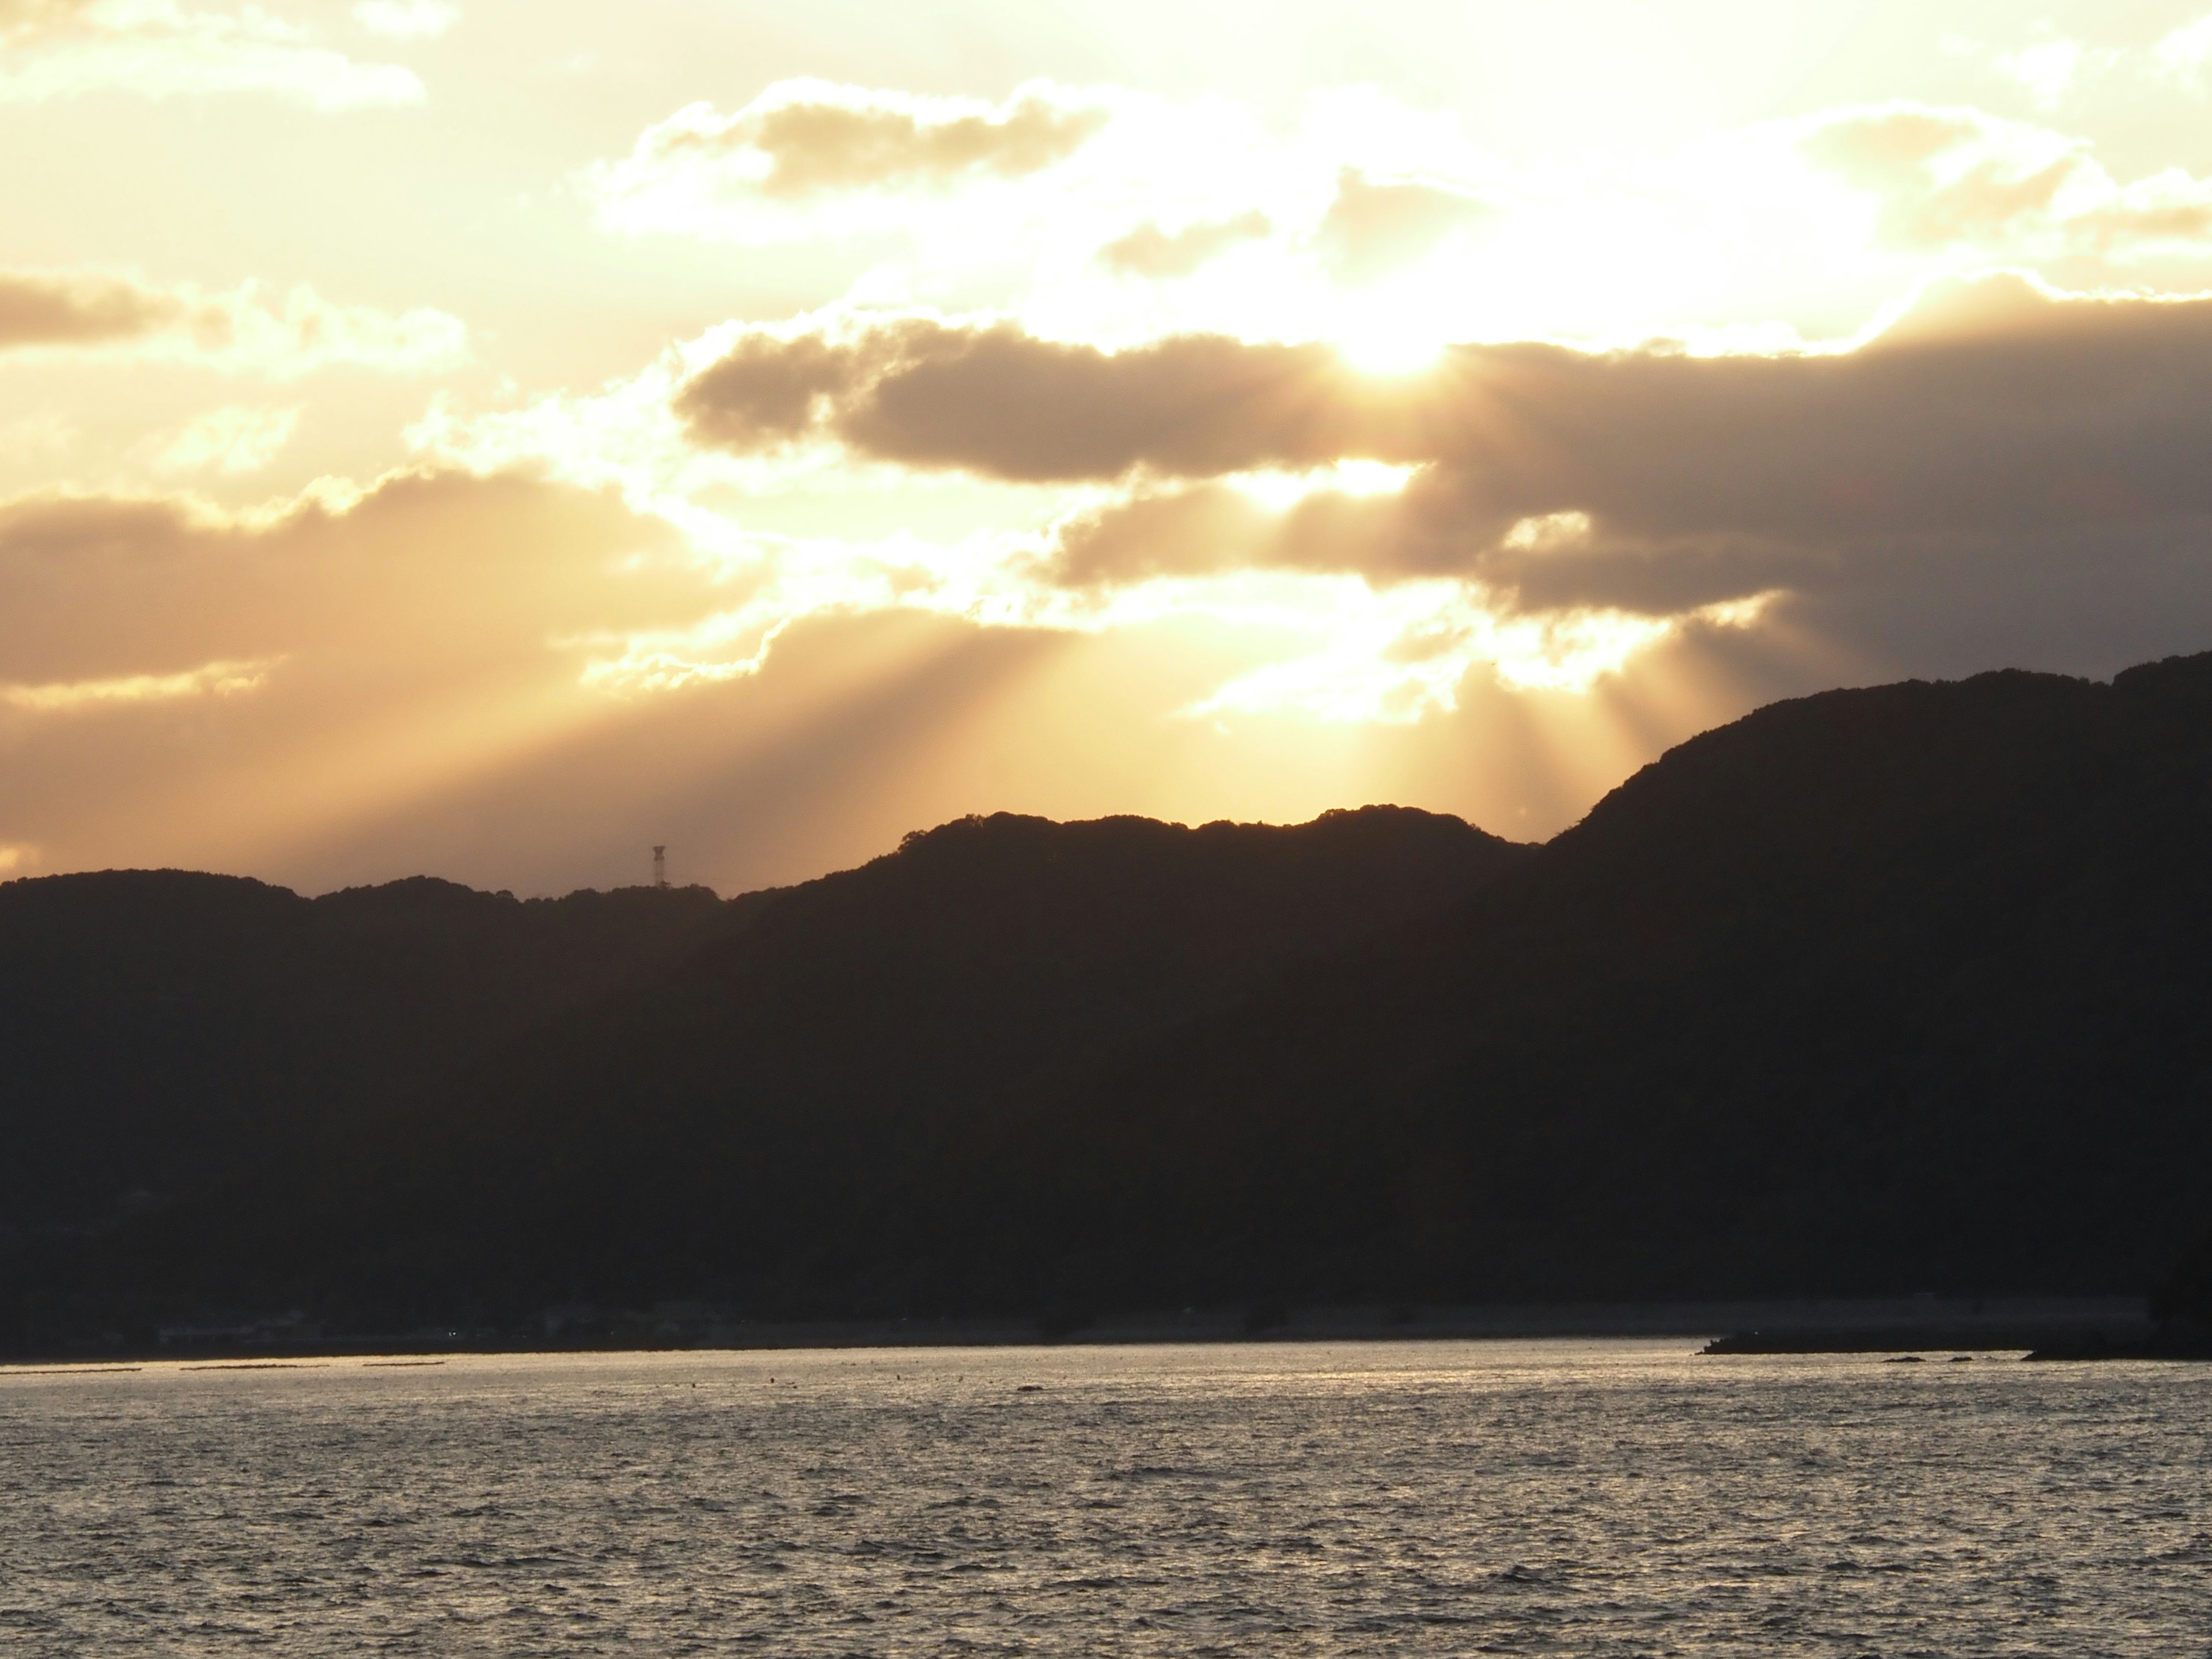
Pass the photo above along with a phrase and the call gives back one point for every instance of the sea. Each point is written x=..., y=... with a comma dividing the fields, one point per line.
x=1561, y=1497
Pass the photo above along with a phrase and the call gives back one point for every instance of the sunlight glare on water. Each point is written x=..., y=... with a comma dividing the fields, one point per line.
x=1579, y=1497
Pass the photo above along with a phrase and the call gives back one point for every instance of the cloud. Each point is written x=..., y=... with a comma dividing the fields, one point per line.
x=991, y=399
x=752, y=173
x=1999, y=474
x=1957, y=177
x=406, y=20
x=231, y=441
x=1372, y=228
x=43, y=439
x=1941, y=180
x=2047, y=69
x=68, y=310
x=1992, y=401
x=245, y=329
x=1991, y=416
x=1148, y=251
x=1390, y=230
x=218, y=679
x=157, y=49
x=2022, y=461
x=121, y=589
x=2184, y=53
x=198, y=686
x=22, y=18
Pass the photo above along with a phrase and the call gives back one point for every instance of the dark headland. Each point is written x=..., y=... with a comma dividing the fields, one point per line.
x=1878, y=994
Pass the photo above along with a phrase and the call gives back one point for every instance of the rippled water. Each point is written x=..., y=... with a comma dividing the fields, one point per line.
x=1414, y=1498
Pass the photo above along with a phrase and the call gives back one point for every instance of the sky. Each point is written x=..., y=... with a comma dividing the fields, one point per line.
x=491, y=440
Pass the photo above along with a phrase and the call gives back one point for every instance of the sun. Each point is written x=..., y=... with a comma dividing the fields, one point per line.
x=1382, y=345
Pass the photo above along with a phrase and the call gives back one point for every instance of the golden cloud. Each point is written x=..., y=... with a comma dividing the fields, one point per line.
x=220, y=679
x=1373, y=228
x=1149, y=251
x=245, y=329
x=424, y=568
x=747, y=172
x=76, y=310
x=1951, y=178
x=23, y=17
x=208, y=681
x=68, y=48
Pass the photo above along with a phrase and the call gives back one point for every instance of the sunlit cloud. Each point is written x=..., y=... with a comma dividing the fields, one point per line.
x=1287, y=418
x=248, y=329
x=1374, y=227
x=231, y=442
x=27, y=19
x=297, y=663
x=214, y=679
x=406, y=20
x=808, y=156
x=1402, y=656
x=2048, y=68
x=158, y=49
x=1219, y=218
x=102, y=587
x=2187, y=51
x=1411, y=530
x=45, y=439
x=1380, y=230
x=1956, y=177
x=1149, y=251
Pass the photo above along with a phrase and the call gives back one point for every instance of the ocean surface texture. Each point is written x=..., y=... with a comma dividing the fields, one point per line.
x=1618, y=1497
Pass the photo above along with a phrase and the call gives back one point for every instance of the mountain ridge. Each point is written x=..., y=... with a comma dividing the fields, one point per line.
x=1855, y=996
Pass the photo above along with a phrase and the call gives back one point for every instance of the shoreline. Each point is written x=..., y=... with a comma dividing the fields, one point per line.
x=2083, y=1326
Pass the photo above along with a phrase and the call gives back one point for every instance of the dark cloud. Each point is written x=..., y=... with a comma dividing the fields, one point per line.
x=767, y=390
x=1023, y=408
x=79, y=311
x=1999, y=467
x=997, y=401
x=1426, y=530
x=1186, y=533
x=1371, y=229
x=1991, y=406
x=2000, y=476
x=1148, y=251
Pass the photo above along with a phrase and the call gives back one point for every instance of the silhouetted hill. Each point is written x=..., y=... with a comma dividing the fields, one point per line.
x=162, y=1029
x=1876, y=991
x=403, y=1092
x=1872, y=991
x=783, y=1110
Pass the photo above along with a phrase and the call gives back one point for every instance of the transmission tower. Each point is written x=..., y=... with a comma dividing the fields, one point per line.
x=660, y=866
